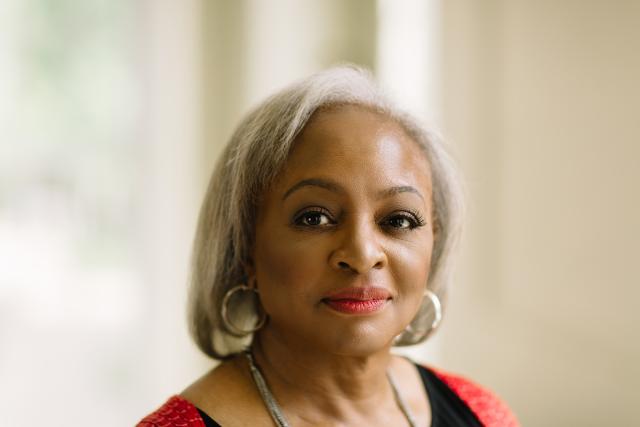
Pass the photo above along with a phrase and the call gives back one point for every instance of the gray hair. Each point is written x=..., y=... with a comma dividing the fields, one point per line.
x=247, y=167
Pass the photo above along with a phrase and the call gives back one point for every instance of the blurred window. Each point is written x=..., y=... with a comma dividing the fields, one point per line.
x=69, y=290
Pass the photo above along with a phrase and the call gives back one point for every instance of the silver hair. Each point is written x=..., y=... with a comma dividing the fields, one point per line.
x=249, y=164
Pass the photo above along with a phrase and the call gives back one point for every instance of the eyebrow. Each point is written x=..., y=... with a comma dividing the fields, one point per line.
x=337, y=188
x=398, y=190
x=314, y=182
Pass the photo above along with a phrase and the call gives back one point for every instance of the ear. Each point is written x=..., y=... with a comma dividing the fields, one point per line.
x=248, y=266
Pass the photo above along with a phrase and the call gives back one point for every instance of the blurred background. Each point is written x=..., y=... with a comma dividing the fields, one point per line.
x=112, y=113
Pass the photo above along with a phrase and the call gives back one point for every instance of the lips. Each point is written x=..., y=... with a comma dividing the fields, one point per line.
x=358, y=300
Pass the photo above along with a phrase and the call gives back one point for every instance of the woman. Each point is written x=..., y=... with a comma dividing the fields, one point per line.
x=326, y=238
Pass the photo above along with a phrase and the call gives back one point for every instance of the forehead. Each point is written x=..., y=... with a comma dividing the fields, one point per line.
x=357, y=145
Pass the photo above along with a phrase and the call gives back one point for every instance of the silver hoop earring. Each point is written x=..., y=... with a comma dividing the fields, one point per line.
x=414, y=335
x=224, y=312
x=437, y=308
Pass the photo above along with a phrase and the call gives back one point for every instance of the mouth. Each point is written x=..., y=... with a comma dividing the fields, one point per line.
x=358, y=300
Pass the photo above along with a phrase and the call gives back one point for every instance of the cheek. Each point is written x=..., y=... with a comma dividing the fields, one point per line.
x=411, y=266
x=286, y=269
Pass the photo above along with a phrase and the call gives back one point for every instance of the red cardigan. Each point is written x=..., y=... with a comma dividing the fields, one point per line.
x=488, y=408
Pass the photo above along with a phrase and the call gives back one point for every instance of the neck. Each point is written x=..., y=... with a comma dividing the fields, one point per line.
x=306, y=380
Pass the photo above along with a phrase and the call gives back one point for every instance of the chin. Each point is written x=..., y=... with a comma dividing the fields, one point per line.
x=361, y=337
x=358, y=343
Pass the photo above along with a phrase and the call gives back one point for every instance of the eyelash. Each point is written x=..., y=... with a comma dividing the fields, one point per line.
x=300, y=215
x=415, y=219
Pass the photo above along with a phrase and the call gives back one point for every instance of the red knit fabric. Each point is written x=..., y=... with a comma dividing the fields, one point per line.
x=488, y=408
x=176, y=412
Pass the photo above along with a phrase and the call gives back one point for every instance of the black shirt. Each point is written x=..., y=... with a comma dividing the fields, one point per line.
x=447, y=409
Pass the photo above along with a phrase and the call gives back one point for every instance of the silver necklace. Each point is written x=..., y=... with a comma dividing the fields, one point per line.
x=276, y=412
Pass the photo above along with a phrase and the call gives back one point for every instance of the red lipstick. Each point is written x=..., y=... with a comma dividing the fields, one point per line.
x=358, y=300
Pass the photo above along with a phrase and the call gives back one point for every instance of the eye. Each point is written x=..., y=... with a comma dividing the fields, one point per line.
x=313, y=218
x=404, y=221
x=400, y=222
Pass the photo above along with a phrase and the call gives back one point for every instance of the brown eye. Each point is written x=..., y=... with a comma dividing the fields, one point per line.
x=404, y=221
x=400, y=222
x=313, y=218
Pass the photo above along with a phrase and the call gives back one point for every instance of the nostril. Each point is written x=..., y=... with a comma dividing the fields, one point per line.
x=343, y=265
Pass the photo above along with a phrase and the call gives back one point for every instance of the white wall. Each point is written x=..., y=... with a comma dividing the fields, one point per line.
x=171, y=135
x=544, y=97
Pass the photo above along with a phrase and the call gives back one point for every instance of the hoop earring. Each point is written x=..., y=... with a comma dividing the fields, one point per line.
x=224, y=312
x=412, y=335
x=437, y=308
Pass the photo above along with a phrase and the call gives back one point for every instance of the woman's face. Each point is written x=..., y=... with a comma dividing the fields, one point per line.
x=344, y=236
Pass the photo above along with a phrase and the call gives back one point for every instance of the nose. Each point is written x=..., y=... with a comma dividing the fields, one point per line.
x=358, y=249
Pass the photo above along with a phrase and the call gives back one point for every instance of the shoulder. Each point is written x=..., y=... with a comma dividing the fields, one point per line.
x=176, y=411
x=225, y=396
x=486, y=405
